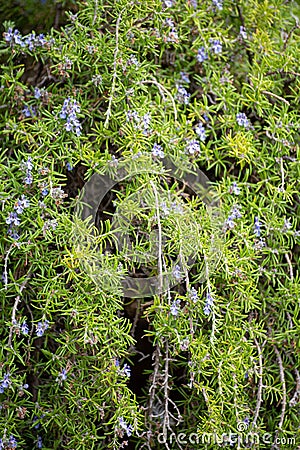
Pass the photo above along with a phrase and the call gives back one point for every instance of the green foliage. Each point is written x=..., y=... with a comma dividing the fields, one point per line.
x=120, y=89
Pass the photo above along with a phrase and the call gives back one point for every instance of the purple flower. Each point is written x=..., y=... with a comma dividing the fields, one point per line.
x=24, y=328
x=62, y=376
x=41, y=327
x=182, y=95
x=257, y=225
x=127, y=370
x=201, y=55
x=218, y=4
x=37, y=93
x=242, y=120
x=184, y=77
x=21, y=204
x=158, y=151
x=12, y=442
x=69, y=112
x=27, y=165
x=209, y=303
x=169, y=22
x=216, y=46
x=13, y=234
x=69, y=167
x=177, y=273
x=174, y=308
x=39, y=442
x=192, y=147
x=243, y=33
x=5, y=382
x=127, y=428
x=28, y=111
x=13, y=219
x=193, y=295
x=29, y=178
x=201, y=132
x=234, y=189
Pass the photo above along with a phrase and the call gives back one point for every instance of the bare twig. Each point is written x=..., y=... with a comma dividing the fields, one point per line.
x=95, y=12
x=14, y=311
x=260, y=383
x=290, y=266
x=160, y=272
x=113, y=86
x=271, y=94
x=282, y=379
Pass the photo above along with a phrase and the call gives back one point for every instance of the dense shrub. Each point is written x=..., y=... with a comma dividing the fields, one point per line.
x=124, y=92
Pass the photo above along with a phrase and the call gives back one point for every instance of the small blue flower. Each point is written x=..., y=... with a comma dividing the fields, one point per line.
x=13, y=219
x=29, y=178
x=127, y=428
x=201, y=132
x=218, y=4
x=242, y=120
x=13, y=234
x=21, y=204
x=257, y=226
x=209, y=303
x=184, y=77
x=127, y=370
x=4, y=384
x=39, y=442
x=44, y=192
x=157, y=151
x=193, y=295
x=41, y=327
x=243, y=33
x=234, y=189
x=62, y=376
x=182, y=95
x=37, y=93
x=69, y=167
x=175, y=307
x=192, y=147
x=216, y=46
x=201, y=55
x=12, y=442
x=24, y=328
x=177, y=273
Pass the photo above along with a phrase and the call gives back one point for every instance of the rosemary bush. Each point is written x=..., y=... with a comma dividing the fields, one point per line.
x=124, y=91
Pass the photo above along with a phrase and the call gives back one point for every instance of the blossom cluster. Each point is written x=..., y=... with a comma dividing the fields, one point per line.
x=182, y=95
x=242, y=120
x=5, y=383
x=13, y=219
x=9, y=443
x=23, y=328
x=234, y=214
x=175, y=307
x=209, y=303
x=140, y=123
x=30, y=41
x=69, y=112
x=192, y=147
x=41, y=327
x=174, y=207
x=127, y=428
x=157, y=151
x=200, y=131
